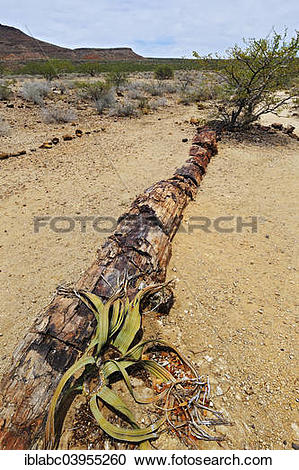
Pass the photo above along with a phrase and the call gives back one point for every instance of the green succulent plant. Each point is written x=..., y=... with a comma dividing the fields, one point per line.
x=117, y=324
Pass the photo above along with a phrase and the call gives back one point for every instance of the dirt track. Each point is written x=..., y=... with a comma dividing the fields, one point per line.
x=234, y=313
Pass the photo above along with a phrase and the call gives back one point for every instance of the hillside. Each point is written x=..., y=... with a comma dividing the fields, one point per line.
x=16, y=46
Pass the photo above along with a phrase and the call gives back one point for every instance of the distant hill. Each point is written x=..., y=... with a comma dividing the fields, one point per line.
x=16, y=46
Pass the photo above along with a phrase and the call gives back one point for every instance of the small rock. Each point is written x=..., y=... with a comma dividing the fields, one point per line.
x=208, y=358
x=46, y=145
x=3, y=156
x=219, y=391
x=289, y=129
x=185, y=140
x=67, y=137
x=295, y=446
x=277, y=125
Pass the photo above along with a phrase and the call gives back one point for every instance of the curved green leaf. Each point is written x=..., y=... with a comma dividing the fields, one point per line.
x=123, y=434
x=50, y=426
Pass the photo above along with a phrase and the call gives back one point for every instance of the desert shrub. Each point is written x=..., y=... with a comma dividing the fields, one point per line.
x=60, y=86
x=90, y=68
x=92, y=90
x=205, y=92
x=135, y=94
x=209, y=91
x=170, y=88
x=106, y=101
x=137, y=87
x=5, y=90
x=155, y=89
x=143, y=104
x=50, y=69
x=117, y=78
x=2, y=69
x=126, y=109
x=35, y=91
x=158, y=103
x=57, y=114
x=253, y=75
x=163, y=72
x=186, y=99
x=187, y=79
x=4, y=127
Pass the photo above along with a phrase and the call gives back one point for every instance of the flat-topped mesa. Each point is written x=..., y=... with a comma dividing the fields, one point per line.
x=110, y=53
x=16, y=46
x=139, y=247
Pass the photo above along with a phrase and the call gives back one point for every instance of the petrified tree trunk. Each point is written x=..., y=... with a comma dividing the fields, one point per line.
x=140, y=246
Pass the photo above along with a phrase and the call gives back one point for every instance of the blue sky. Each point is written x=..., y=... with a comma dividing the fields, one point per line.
x=155, y=28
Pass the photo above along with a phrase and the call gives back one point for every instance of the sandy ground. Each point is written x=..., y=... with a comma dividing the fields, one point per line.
x=234, y=314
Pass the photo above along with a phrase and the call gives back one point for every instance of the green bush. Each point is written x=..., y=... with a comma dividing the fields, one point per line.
x=163, y=72
x=253, y=75
x=2, y=69
x=5, y=90
x=92, y=90
x=117, y=78
x=51, y=69
x=90, y=68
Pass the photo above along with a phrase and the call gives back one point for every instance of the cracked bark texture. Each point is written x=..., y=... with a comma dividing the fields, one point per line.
x=140, y=246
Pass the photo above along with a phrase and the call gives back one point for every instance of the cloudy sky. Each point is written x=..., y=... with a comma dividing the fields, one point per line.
x=153, y=28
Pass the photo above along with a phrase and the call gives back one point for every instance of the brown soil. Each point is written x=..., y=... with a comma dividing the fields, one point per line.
x=234, y=313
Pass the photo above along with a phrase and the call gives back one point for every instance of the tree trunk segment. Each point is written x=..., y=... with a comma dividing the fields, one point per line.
x=140, y=246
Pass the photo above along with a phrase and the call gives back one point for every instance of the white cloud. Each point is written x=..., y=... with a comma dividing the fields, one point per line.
x=170, y=28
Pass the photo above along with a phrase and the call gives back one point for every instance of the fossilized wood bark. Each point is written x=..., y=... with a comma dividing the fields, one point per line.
x=140, y=245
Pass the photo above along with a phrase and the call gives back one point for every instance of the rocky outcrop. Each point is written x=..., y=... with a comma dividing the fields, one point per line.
x=16, y=46
x=117, y=53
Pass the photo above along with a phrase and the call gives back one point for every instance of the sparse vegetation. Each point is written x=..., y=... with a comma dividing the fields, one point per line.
x=135, y=94
x=125, y=109
x=117, y=78
x=56, y=67
x=35, y=91
x=155, y=89
x=2, y=70
x=58, y=114
x=4, y=127
x=254, y=75
x=106, y=101
x=5, y=90
x=90, y=68
x=164, y=72
x=160, y=102
x=49, y=70
x=92, y=90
